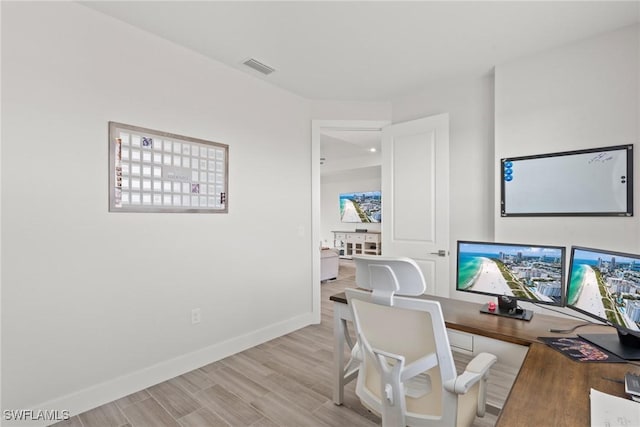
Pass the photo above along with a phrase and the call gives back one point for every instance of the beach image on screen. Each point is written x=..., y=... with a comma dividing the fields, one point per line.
x=525, y=272
x=360, y=207
x=606, y=286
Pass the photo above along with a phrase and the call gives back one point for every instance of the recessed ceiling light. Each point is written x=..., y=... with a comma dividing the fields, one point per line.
x=373, y=149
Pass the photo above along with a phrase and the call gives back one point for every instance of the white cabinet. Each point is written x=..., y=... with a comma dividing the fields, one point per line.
x=357, y=243
x=372, y=244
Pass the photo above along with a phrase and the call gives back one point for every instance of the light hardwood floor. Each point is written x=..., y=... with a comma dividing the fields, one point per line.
x=284, y=382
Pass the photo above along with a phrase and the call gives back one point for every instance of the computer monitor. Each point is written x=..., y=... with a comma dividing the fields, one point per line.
x=511, y=272
x=605, y=285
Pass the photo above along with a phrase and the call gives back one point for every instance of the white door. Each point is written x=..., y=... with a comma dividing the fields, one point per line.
x=415, y=196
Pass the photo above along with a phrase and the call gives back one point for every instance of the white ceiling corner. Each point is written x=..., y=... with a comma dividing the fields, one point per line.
x=369, y=50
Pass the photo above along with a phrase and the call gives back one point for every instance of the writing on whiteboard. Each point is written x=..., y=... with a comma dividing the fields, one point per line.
x=601, y=158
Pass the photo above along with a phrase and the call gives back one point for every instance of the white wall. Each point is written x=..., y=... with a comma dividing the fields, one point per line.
x=331, y=185
x=96, y=305
x=581, y=95
x=577, y=96
x=469, y=102
x=346, y=110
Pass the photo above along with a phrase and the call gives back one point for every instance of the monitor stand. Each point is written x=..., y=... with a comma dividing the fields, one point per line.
x=623, y=345
x=517, y=313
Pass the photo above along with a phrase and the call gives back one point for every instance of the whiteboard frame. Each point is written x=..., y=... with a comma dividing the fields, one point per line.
x=221, y=199
x=628, y=148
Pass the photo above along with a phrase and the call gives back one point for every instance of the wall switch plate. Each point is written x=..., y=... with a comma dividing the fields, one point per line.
x=195, y=316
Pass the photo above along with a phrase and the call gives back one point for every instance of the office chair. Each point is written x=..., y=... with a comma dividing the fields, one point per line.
x=407, y=373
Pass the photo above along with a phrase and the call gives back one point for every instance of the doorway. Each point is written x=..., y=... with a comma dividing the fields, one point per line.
x=335, y=164
x=415, y=186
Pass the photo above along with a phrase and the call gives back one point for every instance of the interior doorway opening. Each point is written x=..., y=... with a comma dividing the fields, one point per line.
x=342, y=159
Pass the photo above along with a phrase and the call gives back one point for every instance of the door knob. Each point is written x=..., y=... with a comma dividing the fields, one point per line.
x=441, y=252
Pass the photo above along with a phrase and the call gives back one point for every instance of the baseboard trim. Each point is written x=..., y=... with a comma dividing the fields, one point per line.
x=99, y=394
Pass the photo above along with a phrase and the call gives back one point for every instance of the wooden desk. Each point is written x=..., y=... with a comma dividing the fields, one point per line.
x=550, y=388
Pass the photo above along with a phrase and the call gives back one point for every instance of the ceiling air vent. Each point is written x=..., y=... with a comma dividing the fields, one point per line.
x=259, y=66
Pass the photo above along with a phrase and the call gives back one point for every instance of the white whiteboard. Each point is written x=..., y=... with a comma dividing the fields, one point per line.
x=585, y=182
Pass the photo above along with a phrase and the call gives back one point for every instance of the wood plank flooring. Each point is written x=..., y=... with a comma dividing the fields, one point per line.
x=283, y=382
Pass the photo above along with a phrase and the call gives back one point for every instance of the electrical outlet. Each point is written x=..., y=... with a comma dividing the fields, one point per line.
x=195, y=316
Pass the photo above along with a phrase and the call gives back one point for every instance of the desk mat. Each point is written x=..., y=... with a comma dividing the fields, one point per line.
x=580, y=350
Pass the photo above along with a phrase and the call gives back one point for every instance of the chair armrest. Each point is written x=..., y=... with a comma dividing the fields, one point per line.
x=481, y=363
x=475, y=371
x=463, y=382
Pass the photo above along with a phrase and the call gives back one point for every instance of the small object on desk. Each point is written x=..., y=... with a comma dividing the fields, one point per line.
x=614, y=411
x=508, y=304
x=580, y=350
x=517, y=313
x=632, y=385
x=491, y=306
x=615, y=380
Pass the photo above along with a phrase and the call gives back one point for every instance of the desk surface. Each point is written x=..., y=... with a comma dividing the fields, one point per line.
x=550, y=388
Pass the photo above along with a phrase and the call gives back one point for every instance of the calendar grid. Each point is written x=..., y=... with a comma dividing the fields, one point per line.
x=154, y=171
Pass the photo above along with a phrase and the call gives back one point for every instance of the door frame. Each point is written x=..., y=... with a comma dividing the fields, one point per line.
x=317, y=127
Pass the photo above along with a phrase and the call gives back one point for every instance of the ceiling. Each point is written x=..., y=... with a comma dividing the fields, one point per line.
x=342, y=150
x=369, y=50
x=349, y=143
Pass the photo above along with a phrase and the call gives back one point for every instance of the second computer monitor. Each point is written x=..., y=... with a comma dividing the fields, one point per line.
x=605, y=285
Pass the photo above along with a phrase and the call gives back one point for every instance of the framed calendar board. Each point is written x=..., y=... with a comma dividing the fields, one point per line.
x=154, y=171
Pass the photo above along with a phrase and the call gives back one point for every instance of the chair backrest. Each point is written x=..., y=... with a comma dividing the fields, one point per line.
x=389, y=276
x=411, y=327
